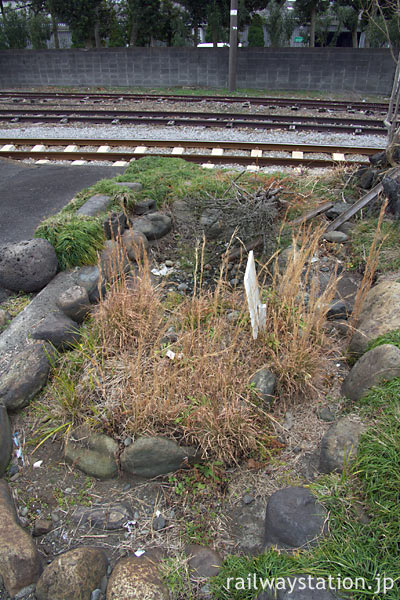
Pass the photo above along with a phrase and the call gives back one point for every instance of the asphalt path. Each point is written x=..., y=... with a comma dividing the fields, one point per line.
x=30, y=193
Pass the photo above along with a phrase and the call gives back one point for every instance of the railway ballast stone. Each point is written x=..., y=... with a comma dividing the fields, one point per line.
x=73, y=575
x=5, y=439
x=74, y=303
x=380, y=314
x=154, y=225
x=25, y=376
x=27, y=266
x=57, y=329
x=92, y=453
x=293, y=519
x=136, y=578
x=153, y=456
x=94, y=206
x=339, y=444
x=373, y=368
x=20, y=564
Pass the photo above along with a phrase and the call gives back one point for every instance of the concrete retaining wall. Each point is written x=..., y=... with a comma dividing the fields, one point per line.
x=329, y=69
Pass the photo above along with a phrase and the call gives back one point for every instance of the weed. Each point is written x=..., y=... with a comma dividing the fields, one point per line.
x=392, y=337
x=363, y=236
x=175, y=572
x=16, y=303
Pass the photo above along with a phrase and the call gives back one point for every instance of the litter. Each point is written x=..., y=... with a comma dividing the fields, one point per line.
x=18, y=451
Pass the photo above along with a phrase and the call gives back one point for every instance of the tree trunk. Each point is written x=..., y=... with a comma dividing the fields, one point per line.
x=97, y=37
x=354, y=36
x=54, y=26
x=196, y=35
x=2, y=11
x=134, y=34
x=312, y=27
x=214, y=37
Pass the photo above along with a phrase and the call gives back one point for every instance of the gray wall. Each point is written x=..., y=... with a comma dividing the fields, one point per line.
x=330, y=69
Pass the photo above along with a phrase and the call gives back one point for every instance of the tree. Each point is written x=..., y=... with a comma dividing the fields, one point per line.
x=307, y=11
x=14, y=29
x=39, y=30
x=280, y=25
x=256, y=32
x=88, y=20
x=348, y=13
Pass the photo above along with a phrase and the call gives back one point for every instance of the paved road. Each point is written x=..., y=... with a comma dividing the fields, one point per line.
x=29, y=193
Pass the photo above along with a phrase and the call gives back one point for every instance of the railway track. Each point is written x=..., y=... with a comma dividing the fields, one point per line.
x=295, y=103
x=251, y=154
x=196, y=119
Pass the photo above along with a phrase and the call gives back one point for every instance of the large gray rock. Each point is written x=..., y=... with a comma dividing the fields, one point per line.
x=73, y=575
x=135, y=244
x=203, y=562
x=5, y=439
x=57, y=329
x=300, y=587
x=24, y=377
x=20, y=564
x=263, y=382
x=136, y=578
x=113, y=261
x=74, y=303
x=144, y=207
x=27, y=266
x=153, y=456
x=374, y=367
x=114, y=225
x=135, y=186
x=154, y=225
x=379, y=315
x=335, y=236
x=94, y=206
x=92, y=453
x=293, y=519
x=339, y=444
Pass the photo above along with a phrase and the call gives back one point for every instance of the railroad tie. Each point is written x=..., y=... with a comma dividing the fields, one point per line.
x=256, y=153
x=140, y=150
x=71, y=148
x=297, y=154
x=217, y=151
x=39, y=148
x=8, y=148
x=120, y=163
x=103, y=149
x=338, y=156
x=208, y=165
x=177, y=150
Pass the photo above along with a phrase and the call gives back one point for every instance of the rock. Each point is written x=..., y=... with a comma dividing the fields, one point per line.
x=366, y=178
x=246, y=527
x=326, y=413
x=337, y=209
x=25, y=377
x=373, y=368
x=213, y=223
x=159, y=523
x=88, y=278
x=293, y=519
x=27, y=266
x=247, y=499
x=20, y=564
x=42, y=527
x=5, y=440
x=145, y=206
x=96, y=594
x=135, y=186
x=379, y=159
x=154, y=225
x=94, y=206
x=108, y=518
x=136, y=578
x=300, y=587
x=380, y=314
x=92, y=453
x=263, y=382
x=114, y=225
x=57, y=329
x=391, y=187
x=346, y=228
x=203, y=562
x=182, y=211
x=74, y=303
x=339, y=444
x=72, y=575
x=135, y=244
x=153, y=456
x=113, y=260
x=335, y=237
x=339, y=310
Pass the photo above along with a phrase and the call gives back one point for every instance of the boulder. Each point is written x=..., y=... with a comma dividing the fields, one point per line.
x=391, y=187
x=114, y=225
x=5, y=439
x=42, y=527
x=374, y=367
x=136, y=578
x=20, y=564
x=73, y=575
x=57, y=329
x=154, y=225
x=153, y=456
x=203, y=562
x=27, y=266
x=135, y=186
x=145, y=206
x=135, y=244
x=339, y=310
x=94, y=206
x=92, y=453
x=366, y=178
x=293, y=519
x=336, y=210
x=380, y=314
x=113, y=261
x=74, y=303
x=107, y=518
x=335, y=237
x=340, y=444
x=263, y=382
x=25, y=377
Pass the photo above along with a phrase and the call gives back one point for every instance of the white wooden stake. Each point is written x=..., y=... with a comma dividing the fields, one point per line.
x=258, y=311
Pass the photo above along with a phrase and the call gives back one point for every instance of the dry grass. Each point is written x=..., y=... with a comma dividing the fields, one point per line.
x=148, y=368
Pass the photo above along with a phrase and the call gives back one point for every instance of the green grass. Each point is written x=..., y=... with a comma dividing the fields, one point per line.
x=16, y=303
x=76, y=239
x=355, y=547
x=393, y=337
x=362, y=237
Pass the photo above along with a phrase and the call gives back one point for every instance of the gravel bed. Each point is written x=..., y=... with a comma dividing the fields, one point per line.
x=188, y=133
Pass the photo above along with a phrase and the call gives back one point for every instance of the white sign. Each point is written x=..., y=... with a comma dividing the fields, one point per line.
x=258, y=311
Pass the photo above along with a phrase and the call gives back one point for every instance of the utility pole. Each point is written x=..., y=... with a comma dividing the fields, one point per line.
x=233, y=38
